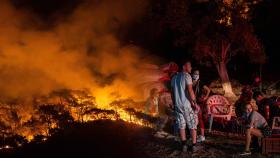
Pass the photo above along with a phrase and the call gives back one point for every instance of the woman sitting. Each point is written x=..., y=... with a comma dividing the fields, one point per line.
x=256, y=125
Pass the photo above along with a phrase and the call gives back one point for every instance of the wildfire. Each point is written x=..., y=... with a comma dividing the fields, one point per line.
x=103, y=98
x=30, y=138
x=80, y=105
x=46, y=71
x=103, y=101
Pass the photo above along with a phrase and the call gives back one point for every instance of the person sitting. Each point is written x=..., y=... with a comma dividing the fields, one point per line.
x=202, y=92
x=151, y=106
x=165, y=112
x=256, y=125
x=166, y=108
x=267, y=107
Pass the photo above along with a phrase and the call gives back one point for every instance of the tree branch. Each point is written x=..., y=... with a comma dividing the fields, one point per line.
x=231, y=54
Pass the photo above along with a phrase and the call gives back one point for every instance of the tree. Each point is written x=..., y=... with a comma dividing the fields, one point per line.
x=47, y=114
x=82, y=101
x=55, y=116
x=221, y=46
x=233, y=34
x=215, y=31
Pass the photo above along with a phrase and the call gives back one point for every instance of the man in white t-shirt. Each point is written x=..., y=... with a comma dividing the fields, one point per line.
x=185, y=104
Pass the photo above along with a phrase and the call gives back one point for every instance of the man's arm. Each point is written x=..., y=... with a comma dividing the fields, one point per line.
x=172, y=98
x=189, y=87
x=191, y=92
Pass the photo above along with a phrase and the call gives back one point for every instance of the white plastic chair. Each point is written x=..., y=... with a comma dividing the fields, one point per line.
x=218, y=107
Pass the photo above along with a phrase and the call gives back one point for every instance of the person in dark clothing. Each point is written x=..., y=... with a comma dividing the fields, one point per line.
x=245, y=98
x=202, y=92
x=267, y=107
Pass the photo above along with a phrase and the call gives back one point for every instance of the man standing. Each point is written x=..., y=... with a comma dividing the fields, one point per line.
x=185, y=105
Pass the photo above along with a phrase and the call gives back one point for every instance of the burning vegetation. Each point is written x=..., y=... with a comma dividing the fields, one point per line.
x=59, y=109
x=72, y=69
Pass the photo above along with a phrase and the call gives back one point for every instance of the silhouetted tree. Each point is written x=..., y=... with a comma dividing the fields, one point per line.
x=216, y=30
x=226, y=33
x=55, y=116
x=225, y=42
x=82, y=101
x=48, y=113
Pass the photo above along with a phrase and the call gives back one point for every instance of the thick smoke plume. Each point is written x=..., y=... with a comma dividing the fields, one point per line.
x=78, y=51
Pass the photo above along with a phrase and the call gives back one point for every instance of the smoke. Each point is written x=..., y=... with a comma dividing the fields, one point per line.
x=79, y=51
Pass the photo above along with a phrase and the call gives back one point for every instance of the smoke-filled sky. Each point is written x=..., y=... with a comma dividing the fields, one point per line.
x=52, y=44
x=44, y=48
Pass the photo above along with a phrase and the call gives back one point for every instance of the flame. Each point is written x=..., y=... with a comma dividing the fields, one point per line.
x=36, y=62
x=30, y=138
x=125, y=116
x=103, y=98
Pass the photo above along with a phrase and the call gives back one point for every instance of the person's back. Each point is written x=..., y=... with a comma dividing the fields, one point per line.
x=178, y=85
x=257, y=120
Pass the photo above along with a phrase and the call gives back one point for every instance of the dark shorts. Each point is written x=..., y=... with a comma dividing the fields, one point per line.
x=266, y=131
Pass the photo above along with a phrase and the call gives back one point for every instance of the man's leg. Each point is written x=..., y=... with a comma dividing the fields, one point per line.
x=194, y=134
x=192, y=121
x=183, y=135
x=184, y=140
x=182, y=126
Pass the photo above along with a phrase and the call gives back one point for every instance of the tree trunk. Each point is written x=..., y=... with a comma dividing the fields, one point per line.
x=222, y=70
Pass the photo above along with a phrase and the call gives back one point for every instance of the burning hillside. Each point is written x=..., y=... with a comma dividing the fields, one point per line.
x=72, y=70
x=60, y=109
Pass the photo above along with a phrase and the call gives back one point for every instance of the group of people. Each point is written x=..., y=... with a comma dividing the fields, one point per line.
x=187, y=100
x=188, y=94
